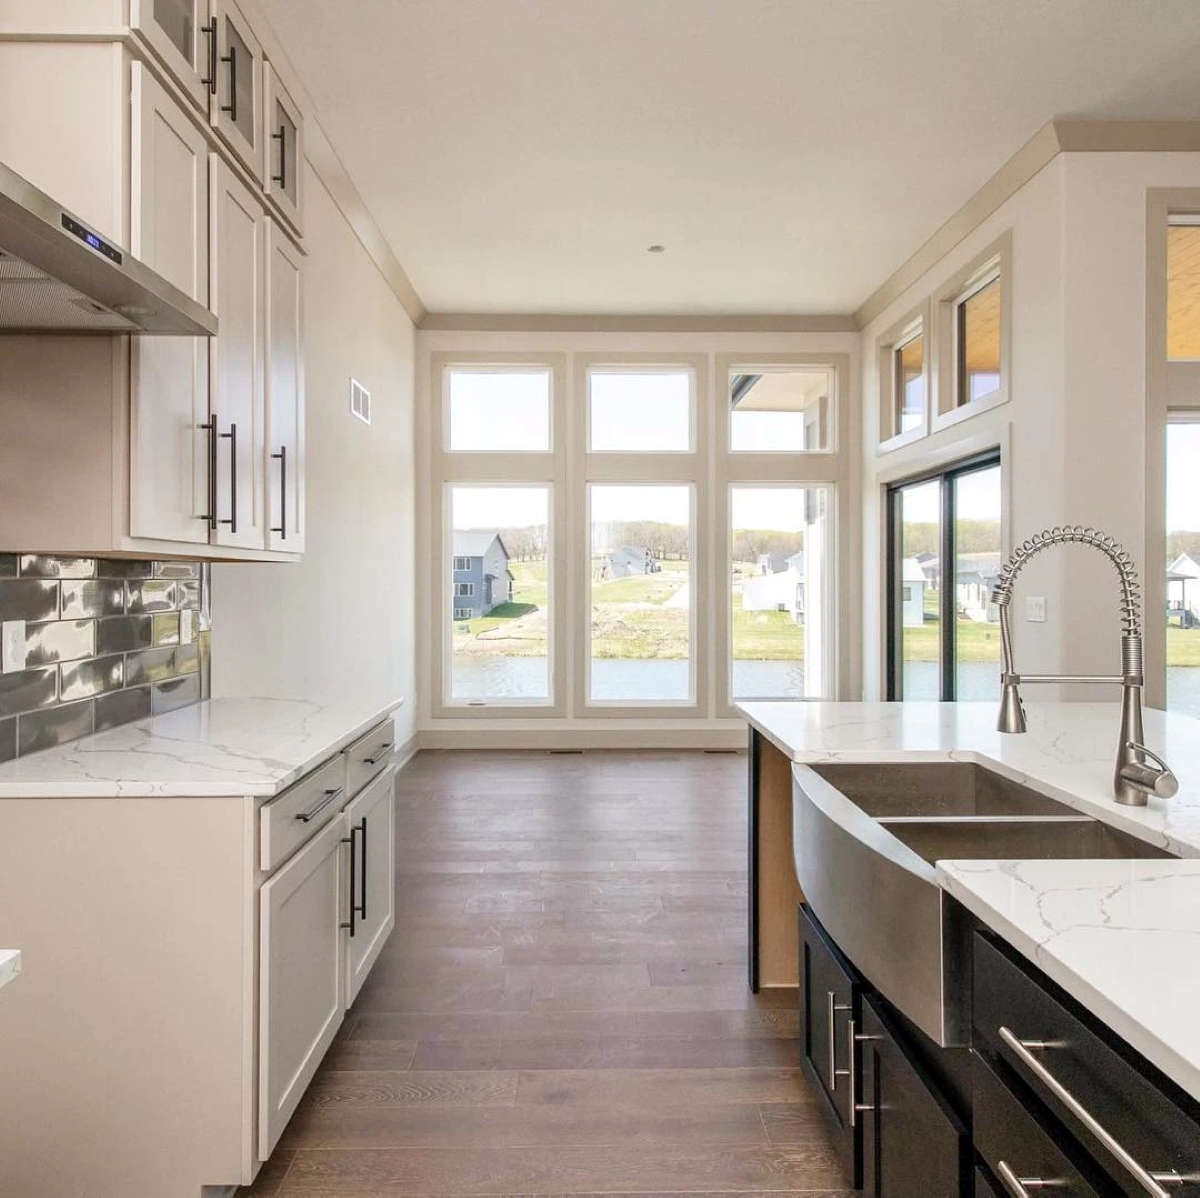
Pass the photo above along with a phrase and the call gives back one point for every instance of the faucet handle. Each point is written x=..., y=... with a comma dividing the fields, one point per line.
x=1161, y=781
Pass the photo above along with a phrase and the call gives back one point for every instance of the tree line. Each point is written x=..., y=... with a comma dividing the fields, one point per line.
x=970, y=536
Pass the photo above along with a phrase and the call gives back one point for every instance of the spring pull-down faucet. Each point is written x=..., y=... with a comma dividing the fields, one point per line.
x=1138, y=772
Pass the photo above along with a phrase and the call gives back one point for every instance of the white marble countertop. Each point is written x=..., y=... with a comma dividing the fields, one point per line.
x=10, y=965
x=1122, y=937
x=253, y=747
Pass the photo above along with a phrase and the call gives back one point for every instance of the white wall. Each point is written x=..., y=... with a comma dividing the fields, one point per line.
x=339, y=625
x=1074, y=432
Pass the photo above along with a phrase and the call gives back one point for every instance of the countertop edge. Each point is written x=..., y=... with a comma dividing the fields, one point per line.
x=86, y=787
x=1185, y=1072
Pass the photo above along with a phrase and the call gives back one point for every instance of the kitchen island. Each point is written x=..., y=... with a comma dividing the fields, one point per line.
x=1094, y=956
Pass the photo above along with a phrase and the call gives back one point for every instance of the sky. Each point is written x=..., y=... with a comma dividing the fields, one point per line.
x=978, y=498
x=1183, y=477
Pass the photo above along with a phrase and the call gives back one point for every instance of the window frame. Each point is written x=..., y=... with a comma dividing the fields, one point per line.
x=490, y=367
x=780, y=364
x=517, y=468
x=829, y=663
x=915, y=323
x=658, y=367
x=464, y=590
x=461, y=569
x=946, y=474
x=992, y=264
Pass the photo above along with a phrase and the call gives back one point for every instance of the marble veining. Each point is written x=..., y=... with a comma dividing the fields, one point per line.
x=254, y=747
x=1122, y=937
x=10, y=966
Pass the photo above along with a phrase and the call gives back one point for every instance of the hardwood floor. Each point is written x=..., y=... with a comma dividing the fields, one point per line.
x=562, y=1008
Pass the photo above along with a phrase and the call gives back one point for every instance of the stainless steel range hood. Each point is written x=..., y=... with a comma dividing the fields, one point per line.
x=57, y=275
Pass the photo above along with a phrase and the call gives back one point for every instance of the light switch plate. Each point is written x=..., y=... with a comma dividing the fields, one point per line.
x=1035, y=609
x=187, y=627
x=12, y=646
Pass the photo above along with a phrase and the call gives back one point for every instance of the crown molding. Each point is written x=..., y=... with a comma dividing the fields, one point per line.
x=1064, y=135
x=501, y=322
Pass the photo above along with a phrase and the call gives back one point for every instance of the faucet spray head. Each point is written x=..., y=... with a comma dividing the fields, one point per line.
x=1012, y=712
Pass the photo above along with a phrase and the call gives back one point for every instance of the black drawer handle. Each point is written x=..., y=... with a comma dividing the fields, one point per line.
x=1025, y=1051
x=306, y=817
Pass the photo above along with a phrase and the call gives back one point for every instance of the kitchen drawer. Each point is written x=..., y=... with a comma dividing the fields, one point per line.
x=1123, y=1113
x=301, y=811
x=369, y=756
x=1010, y=1138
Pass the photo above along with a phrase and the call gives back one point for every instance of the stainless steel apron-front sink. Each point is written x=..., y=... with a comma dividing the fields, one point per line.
x=866, y=866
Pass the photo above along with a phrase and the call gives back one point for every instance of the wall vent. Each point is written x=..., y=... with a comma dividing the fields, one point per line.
x=360, y=401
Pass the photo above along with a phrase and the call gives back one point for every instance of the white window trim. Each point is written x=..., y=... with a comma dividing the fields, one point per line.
x=463, y=613
x=993, y=263
x=464, y=590
x=915, y=323
x=462, y=569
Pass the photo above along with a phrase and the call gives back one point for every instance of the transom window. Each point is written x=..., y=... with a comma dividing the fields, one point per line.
x=908, y=383
x=640, y=411
x=780, y=409
x=495, y=410
x=977, y=343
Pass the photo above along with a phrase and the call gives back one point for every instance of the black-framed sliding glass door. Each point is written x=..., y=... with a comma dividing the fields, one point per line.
x=944, y=553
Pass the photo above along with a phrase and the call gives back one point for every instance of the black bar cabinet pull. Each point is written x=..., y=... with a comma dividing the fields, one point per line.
x=231, y=107
x=209, y=81
x=351, y=841
x=281, y=458
x=210, y=517
x=362, y=910
x=231, y=437
x=281, y=138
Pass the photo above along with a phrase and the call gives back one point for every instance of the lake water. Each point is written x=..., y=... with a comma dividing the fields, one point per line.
x=666, y=681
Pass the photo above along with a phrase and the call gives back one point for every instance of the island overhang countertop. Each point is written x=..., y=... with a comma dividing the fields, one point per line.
x=1120, y=936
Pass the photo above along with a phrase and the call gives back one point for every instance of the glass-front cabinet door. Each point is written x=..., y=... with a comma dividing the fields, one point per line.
x=236, y=110
x=283, y=145
x=182, y=38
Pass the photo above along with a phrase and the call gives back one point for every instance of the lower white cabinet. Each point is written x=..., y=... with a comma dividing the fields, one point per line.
x=301, y=986
x=371, y=819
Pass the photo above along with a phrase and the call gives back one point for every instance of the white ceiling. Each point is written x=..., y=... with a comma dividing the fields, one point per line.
x=520, y=155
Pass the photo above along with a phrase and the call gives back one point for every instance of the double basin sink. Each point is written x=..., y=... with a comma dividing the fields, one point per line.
x=866, y=838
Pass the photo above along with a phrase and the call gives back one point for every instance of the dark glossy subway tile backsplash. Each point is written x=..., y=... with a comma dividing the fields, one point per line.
x=107, y=642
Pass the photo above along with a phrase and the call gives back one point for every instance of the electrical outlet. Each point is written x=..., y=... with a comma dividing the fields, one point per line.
x=12, y=646
x=1035, y=609
x=187, y=627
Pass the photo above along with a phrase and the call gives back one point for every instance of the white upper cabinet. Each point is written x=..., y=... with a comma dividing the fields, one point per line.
x=236, y=104
x=236, y=399
x=283, y=169
x=168, y=375
x=184, y=40
x=285, y=395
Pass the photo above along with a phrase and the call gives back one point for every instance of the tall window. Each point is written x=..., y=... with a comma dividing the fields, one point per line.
x=944, y=556
x=640, y=634
x=780, y=557
x=499, y=608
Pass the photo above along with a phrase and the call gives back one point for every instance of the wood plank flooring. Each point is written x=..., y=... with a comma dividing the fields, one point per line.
x=562, y=1008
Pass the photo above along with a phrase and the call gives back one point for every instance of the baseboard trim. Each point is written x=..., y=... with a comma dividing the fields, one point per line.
x=586, y=738
x=405, y=753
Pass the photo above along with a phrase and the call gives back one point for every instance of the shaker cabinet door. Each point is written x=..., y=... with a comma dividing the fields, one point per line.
x=372, y=819
x=169, y=198
x=284, y=464
x=236, y=355
x=300, y=977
